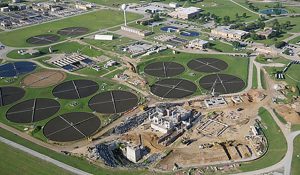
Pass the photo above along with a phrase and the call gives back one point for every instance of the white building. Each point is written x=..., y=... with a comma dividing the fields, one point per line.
x=227, y=33
x=104, y=37
x=185, y=13
x=198, y=44
x=215, y=102
x=133, y=153
x=139, y=32
x=110, y=63
x=173, y=4
x=165, y=121
x=4, y=9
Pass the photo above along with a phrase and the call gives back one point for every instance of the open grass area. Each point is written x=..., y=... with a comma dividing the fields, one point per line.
x=295, y=22
x=295, y=40
x=254, y=78
x=188, y=74
x=263, y=80
x=114, y=3
x=277, y=145
x=94, y=21
x=113, y=45
x=18, y=162
x=76, y=162
x=220, y=8
x=291, y=76
x=273, y=40
x=296, y=157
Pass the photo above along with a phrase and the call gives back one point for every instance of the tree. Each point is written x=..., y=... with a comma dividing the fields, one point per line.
x=236, y=44
x=280, y=44
x=226, y=19
x=156, y=17
x=244, y=15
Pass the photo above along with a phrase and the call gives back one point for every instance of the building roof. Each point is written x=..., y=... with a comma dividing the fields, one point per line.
x=188, y=10
x=226, y=29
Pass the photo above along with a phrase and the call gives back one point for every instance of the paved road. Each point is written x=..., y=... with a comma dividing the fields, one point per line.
x=43, y=157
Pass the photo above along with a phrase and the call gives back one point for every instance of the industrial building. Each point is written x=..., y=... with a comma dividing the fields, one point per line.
x=138, y=32
x=185, y=13
x=104, y=37
x=227, y=33
x=133, y=153
x=198, y=44
x=71, y=62
x=166, y=120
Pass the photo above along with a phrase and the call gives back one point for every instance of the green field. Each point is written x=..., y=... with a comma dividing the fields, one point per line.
x=295, y=40
x=276, y=142
x=254, y=78
x=76, y=162
x=18, y=162
x=220, y=8
x=296, y=157
x=94, y=21
x=292, y=75
x=113, y=3
x=295, y=21
x=188, y=74
x=263, y=79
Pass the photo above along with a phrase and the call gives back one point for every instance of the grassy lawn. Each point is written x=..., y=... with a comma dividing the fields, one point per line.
x=113, y=45
x=19, y=162
x=295, y=40
x=254, y=78
x=220, y=8
x=262, y=79
x=295, y=128
x=295, y=21
x=188, y=74
x=272, y=41
x=296, y=157
x=276, y=142
x=292, y=75
x=94, y=21
x=113, y=3
x=76, y=162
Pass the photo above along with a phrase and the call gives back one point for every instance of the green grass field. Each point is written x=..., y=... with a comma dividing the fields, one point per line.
x=276, y=141
x=184, y=58
x=295, y=40
x=18, y=162
x=263, y=80
x=296, y=157
x=76, y=162
x=94, y=21
x=254, y=78
x=295, y=21
x=220, y=8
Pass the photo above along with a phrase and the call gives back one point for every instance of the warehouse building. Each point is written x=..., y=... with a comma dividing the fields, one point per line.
x=185, y=13
x=227, y=33
x=139, y=32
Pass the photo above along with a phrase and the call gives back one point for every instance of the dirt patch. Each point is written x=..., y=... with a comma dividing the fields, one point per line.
x=288, y=113
x=43, y=79
x=149, y=140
